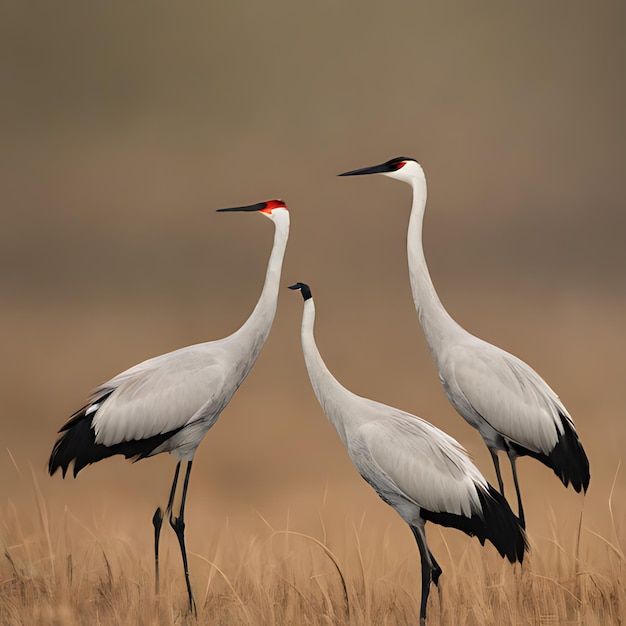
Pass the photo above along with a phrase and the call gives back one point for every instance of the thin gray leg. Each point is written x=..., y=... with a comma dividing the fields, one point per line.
x=496, y=464
x=427, y=568
x=436, y=569
x=178, y=524
x=520, y=509
x=157, y=522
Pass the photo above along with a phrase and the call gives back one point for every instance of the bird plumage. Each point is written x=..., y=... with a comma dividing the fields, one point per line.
x=512, y=407
x=180, y=394
x=423, y=473
x=169, y=402
x=78, y=445
x=148, y=404
x=401, y=454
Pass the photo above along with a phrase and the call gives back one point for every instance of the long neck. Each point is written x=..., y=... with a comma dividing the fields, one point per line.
x=326, y=387
x=435, y=320
x=258, y=325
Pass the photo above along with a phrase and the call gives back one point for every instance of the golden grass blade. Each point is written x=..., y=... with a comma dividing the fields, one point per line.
x=17, y=469
x=615, y=549
x=559, y=585
x=44, y=520
x=615, y=537
x=226, y=580
x=330, y=555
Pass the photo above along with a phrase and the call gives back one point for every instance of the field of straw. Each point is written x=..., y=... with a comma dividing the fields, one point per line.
x=61, y=569
x=125, y=125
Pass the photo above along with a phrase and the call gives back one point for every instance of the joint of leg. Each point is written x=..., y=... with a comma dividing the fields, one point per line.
x=157, y=518
x=177, y=524
x=436, y=573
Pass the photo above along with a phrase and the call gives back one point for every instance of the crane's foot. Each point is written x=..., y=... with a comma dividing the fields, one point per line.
x=178, y=524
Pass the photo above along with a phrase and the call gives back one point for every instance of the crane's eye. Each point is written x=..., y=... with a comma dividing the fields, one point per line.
x=274, y=204
x=398, y=165
x=270, y=205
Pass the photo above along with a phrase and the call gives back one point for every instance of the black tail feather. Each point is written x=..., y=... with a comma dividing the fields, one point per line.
x=567, y=459
x=78, y=444
x=496, y=523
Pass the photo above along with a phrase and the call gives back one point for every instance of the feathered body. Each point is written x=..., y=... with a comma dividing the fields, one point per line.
x=422, y=472
x=165, y=404
x=512, y=407
x=169, y=403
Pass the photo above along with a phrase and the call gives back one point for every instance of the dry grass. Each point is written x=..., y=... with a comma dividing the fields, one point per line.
x=119, y=138
x=62, y=570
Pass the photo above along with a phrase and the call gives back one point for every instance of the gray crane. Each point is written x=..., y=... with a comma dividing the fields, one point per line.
x=513, y=408
x=424, y=474
x=168, y=403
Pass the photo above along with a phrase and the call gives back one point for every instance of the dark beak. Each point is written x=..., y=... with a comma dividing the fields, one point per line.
x=374, y=169
x=251, y=207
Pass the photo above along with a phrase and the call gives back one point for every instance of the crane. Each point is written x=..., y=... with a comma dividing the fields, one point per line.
x=424, y=474
x=513, y=408
x=168, y=403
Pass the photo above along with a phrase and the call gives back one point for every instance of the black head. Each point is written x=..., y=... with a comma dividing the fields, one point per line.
x=392, y=165
x=304, y=288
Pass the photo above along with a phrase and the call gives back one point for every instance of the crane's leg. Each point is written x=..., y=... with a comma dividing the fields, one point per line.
x=178, y=524
x=436, y=569
x=157, y=522
x=496, y=464
x=427, y=568
x=520, y=509
x=436, y=573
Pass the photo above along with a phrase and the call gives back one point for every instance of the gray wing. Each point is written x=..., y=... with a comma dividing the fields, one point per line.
x=507, y=393
x=161, y=394
x=403, y=454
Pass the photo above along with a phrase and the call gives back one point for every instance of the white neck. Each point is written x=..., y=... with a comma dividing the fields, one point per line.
x=258, y=325
x=435, y=320
x=327, y=388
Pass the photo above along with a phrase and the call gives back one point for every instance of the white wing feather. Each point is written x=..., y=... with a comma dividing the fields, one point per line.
x=161, y=394
x=507, y=393
x=403, y=453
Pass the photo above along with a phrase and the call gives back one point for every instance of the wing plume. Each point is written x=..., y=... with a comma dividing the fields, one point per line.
x=78, y=442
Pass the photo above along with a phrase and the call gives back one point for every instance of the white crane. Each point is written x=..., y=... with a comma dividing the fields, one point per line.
x=168, y=403
x=424, y=474
x=512, y=407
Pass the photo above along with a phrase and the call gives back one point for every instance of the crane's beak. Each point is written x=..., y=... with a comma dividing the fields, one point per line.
x=383, y=168
x=259, y=206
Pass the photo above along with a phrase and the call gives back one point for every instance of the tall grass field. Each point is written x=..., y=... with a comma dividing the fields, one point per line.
x=59, y=569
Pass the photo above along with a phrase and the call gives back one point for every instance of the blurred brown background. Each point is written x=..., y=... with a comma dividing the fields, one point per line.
x=124, y=125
